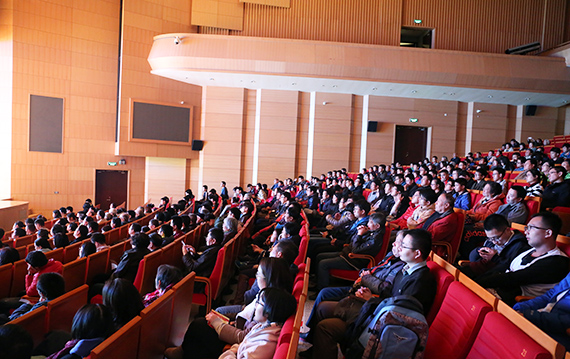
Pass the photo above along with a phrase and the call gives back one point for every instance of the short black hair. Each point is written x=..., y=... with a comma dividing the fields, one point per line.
x=279, y=305
x=87, y=249
x=167, y=230
x=94, y=226
x=16, y=342
x=216, y=234
x=551, y=221
x=176, y=221
x=421, y=240
x=51, y=285
x=521, y=192
x=496, y=188
x=124, y=300
x=288, y=249
x=140, y=240
x=98, y=238
x=429, y=194
x=92, y=321
x=363, y=205
x=495, y=222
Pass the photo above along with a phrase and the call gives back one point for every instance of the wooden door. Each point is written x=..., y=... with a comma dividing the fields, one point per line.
x=111, y=187
x=411, y=144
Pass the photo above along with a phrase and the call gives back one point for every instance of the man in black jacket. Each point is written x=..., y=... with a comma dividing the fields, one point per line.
x=500, y=248
x=558, y=192
x=414, y=279
x=202, y=262
x=129, y=264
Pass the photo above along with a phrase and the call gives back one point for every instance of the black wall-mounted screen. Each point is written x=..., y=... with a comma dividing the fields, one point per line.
x=46, y=124
x=160, y=122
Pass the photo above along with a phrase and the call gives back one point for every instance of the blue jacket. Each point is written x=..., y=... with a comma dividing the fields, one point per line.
x=558, y=320
x=463, y=201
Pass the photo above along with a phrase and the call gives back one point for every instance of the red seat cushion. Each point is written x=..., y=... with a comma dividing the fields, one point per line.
x=456, y=325
x=499, y=338
x=443, y=279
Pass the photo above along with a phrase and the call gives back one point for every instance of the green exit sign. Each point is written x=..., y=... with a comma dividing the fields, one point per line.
x=111, y=163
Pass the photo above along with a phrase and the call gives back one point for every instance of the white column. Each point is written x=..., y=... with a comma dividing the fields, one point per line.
x=256, y=137
x=518, y=123
x=469, y=127
x=364, y=135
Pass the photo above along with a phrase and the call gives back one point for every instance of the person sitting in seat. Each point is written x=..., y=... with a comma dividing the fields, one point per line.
x=166, y=277
x=202, y=262
x=535, y=271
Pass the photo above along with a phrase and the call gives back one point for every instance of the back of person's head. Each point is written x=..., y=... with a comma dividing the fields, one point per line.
x=167, y=230
x=92, y=321
x=176, y=222
x=83, y=231
x=495, y=222
x=8, y=255
x=379, y=218
x=496, y=188
x=136, y=227
x=57, y=228
x=154, y=222
x=98, y=238
x=277, y=273
x=19, y=232
x=15, y=342
x=106, y=228
x=156, y=240
x=36, y=259
x=51, y=285
x=288, y=249
x=216, y=234
x=116, y=222
x=550, y=221
x=87, y=249
x=278, y=305
x=42, y=243
x=231, y=224
x=167, y=275
x=40, y=222
x=292, y=228
x=421, y=240
x=42, y=233
x=235, y=212
x=93, y=226
x=140, y=240
x=123, y=299
x=60, y=240
x=429, y=194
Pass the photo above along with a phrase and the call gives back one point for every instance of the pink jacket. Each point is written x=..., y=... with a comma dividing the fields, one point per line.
x=32, y=280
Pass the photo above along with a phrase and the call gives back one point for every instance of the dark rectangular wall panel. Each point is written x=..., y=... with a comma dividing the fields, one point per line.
x=46, y=124
x=161, y=122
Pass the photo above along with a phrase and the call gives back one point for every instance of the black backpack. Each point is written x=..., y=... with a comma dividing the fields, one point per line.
x=393, y=328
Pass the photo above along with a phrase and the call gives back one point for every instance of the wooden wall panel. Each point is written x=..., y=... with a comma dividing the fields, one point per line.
x=143, y=20
x=511, y=123
x=332, y=132
x=279, y=3
x=489, y=126
x=541, y=125
x=461, y=129
x=278, y=134
x=164, y=177
x=248, y=136
x=441, y=116
x=225, y=14
x=487, y=26
x=6, y=68
x=223, y=133
x=356, y=134
x=369, y=22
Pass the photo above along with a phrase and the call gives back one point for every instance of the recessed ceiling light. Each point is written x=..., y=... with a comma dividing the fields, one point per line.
x=452, y=94
x=335, y=86
x=490, y=96
x=374, y=88
x=211, y=79
x=294, y=83
x=565, y=101
x=527, y=98
x=414, y=91
x=252, y=81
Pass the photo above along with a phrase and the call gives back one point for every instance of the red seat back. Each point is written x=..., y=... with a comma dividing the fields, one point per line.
x=155, y=325
x=19, y=277
x=533, y=206
x=62, y=310
x=71, y=252
x=181, y=308
x=74, y=273
x=123, y=344
x=443, y=279
x=35, y=323
x=6, y=279
x=96, y=264
x=454, y=329
x=499, y=338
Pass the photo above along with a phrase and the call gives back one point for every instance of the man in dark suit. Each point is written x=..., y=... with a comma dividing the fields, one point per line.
x=202, y=262
x=414, y=279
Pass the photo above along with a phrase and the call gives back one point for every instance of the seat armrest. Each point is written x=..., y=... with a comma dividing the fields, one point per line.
x=208, y=291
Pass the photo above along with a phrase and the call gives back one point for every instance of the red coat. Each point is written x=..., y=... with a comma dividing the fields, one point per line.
x=444, y=230
x=32, y=280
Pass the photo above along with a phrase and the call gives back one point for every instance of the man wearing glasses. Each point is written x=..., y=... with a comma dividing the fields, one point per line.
x=534, y=271
x=500, y=248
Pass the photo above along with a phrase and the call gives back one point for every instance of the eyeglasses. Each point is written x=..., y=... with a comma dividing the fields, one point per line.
x=530, y=226
x=496, y=238
x=411, y=248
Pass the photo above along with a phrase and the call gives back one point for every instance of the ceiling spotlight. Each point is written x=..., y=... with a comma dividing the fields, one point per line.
x=294, y=83
x=182, y=102
x=177, y=40
x=325, y=103
x=414, y=91
x=211, y=79
x=335, y=86
x=479, y=111
x=527, y=98
x=452, y=94
x=374, y=88
x=252, y=81
x=565, y=101
x=490, y=96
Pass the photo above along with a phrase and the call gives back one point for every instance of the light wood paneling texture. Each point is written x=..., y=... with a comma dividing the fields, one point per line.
x=248, y=136
x=488, y=26
x=441, y=116
x=164, y=177
x=225, y=14
x=303, y=132
x=511, y=123
x=489, y=126
x=223, y=117
x=6, y=69
x=368, y=22
x=461, y=129
x=278, y=134
x=279, y=3
x=142, y=20
x=541, y=125
x=333, y=125
x=356, y=134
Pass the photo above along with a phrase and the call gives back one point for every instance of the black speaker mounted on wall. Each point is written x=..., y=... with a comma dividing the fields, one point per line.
x=372, y=126
x=530, y=110
x=197, y=145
